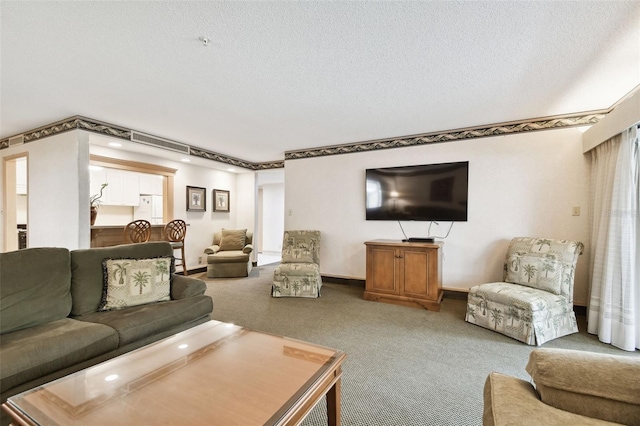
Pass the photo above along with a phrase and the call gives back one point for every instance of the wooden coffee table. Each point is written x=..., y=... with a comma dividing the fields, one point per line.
x=213, y=374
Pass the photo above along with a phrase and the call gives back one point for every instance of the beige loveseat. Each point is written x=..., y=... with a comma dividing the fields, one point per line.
x=571, y=388
x=230, y=254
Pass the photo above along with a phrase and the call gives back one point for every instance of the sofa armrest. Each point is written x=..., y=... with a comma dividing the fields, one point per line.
x=247, y=249
x=184, y=287
x=512, y=401
x=596, y=385
x=212, y=249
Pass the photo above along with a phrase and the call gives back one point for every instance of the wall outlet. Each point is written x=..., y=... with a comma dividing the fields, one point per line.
x=576, y=211
x=200, y=260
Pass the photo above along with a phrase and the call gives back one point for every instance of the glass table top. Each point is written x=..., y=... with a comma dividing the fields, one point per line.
x=216, y=373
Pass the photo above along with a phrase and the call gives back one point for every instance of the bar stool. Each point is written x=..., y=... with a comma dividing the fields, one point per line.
x=174, y=232
x=138, y=231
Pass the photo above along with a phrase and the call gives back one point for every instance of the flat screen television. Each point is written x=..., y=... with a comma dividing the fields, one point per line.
x=428, y=192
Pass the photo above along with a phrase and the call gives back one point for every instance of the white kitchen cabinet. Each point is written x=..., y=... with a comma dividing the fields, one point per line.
x=150, y=184
x=123, y=188
x=96, y=179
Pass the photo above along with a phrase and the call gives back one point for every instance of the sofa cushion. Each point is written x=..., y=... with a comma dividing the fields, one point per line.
x=132, y=282
x=233, y=239
x=184, y=287
x=138, y=322
x=86, y=270
x=301, y=247
x=36, y=285
x=46, y=348
x=512, y=401
x=602, y=386
x=543, y=255
x=543, y=273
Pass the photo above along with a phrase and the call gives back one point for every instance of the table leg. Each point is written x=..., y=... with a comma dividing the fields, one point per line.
x=333, y=404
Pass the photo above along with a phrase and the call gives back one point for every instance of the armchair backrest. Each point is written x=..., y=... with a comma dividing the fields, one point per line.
x=301, y=247
x=217, y=237
x=543, y=263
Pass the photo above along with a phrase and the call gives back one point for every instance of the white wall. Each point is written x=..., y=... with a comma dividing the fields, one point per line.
x=201, y=225
x=246, y=207
x=519, y=185
x=58, y=190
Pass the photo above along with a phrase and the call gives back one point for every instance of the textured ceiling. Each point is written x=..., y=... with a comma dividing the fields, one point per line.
x=281, y=76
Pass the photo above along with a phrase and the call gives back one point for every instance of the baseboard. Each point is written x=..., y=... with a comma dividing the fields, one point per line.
x=194, y=270
x=356, y=282
x=580, y=310
x=455, y=294
x=448, y=293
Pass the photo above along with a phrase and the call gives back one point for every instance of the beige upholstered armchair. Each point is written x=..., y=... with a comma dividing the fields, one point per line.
x=299, y=272
x=571, y=388
x=534, y=303
x=230, y=254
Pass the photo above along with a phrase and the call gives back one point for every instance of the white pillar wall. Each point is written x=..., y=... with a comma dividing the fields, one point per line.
x=58, y=199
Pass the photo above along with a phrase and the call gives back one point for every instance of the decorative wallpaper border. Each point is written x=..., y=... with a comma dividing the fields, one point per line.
x=210, y=155
x=453, y=135
x=531, y=125
x=91, y=125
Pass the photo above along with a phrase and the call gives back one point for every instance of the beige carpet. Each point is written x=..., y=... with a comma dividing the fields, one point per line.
x=405, y=366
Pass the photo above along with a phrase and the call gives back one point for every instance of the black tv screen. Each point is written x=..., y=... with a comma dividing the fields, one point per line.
x=429, y=192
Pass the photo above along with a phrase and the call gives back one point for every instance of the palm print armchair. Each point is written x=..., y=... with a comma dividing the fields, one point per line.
x=299, y=272
x=534, y=304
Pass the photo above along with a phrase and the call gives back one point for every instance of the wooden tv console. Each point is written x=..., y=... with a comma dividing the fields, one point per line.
x=404, y=273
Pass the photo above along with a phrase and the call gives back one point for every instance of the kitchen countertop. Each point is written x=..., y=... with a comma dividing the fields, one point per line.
x=122, y=226
x=111, y=235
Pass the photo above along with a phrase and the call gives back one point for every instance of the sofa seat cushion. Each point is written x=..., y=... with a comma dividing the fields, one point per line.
x=527, y=314
x=234, y=256
x=299, y=269
x=528, y=299
x=296, y=280
x=138, y=322
x=46, y=348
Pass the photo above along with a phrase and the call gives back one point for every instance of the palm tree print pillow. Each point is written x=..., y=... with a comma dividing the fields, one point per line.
x=132, y=282
x=544, y=273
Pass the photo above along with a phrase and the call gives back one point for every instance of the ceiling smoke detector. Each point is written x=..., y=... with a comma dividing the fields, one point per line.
x=204, y=40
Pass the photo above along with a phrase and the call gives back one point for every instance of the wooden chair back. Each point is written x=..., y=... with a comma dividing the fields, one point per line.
x=175, y=230
x=138, y=231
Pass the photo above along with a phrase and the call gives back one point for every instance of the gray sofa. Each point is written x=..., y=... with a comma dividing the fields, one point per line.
x=50, y=322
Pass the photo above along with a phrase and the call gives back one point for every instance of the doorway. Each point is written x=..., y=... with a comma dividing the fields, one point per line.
x=15, y=202
x=270, y=214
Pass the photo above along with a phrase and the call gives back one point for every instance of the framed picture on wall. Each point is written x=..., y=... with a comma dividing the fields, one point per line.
x=196, y=199
x=220, y=200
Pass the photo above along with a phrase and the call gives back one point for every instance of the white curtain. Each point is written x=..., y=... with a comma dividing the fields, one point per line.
x=614, y=305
